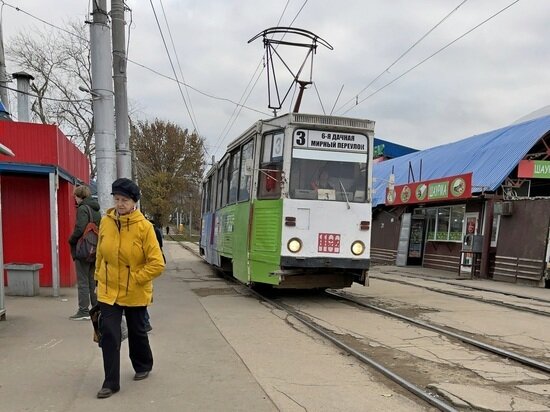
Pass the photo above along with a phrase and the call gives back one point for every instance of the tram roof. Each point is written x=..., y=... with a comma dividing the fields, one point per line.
x=490, y=156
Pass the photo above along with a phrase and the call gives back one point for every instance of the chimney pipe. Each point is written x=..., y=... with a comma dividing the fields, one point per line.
x=23, y=87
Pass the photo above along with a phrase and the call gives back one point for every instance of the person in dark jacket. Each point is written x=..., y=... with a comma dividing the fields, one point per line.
x=87, y=211
x=158, y=234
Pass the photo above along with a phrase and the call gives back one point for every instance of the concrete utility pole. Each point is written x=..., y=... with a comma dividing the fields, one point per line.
x=3, y=76
x=123, y=155
x=102, y=92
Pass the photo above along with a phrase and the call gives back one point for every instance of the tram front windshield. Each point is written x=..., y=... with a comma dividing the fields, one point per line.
x=328, y=176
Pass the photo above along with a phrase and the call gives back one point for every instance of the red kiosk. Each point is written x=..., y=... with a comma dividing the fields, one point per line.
x=37, y=207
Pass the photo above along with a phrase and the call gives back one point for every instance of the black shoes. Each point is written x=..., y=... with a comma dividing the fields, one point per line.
x=106, y=393
x=141, y=375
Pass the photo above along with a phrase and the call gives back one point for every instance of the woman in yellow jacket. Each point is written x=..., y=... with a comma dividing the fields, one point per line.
x=128, y=259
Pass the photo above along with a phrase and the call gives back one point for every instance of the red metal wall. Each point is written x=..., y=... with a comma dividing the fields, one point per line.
x=43, y=144
x=26, y=224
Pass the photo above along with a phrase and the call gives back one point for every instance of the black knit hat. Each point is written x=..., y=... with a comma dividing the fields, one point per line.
x=126, y=187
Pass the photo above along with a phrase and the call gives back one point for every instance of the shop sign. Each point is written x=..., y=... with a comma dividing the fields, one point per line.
x=447, y=188
x=537, y=169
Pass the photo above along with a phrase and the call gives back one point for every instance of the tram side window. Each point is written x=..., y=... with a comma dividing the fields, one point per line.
x=246, y=161
x=219, y=188
x=225, y=186
x=234, y=176
x=271, y=166
x=208, y=194
x=204, y=196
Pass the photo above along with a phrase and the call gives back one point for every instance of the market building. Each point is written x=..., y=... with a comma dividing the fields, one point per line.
x=479, y=206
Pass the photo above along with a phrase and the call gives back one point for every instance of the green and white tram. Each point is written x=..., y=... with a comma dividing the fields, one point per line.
x=289, y=204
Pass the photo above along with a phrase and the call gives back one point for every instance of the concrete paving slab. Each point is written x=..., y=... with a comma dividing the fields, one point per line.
x=49, y=363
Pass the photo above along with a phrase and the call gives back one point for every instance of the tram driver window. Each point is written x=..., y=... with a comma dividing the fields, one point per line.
x=271, y=165
x=316, y=179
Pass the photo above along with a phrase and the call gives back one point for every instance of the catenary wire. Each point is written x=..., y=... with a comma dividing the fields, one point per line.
x=257, y=78
x=173, y=68
x=45, y=98
x=178, y=61
x=401, y=56
x=231, y=121
x=137, y=63
x=432, y=55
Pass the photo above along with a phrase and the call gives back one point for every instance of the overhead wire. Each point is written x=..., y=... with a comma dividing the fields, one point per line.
x=233, y=117
x=432, y=55
x=386, y=70
x=172, y=66
x=257, y=78
x=43, y=97
x=178, y=61
x=135, y=62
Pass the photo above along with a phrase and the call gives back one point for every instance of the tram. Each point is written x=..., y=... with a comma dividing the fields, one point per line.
x=289, y=203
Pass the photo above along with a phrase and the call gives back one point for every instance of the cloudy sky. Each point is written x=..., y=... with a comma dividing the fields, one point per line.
x=491, y=77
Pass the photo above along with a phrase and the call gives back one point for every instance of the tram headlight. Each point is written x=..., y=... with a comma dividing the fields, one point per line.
x=357, y=248
x=294, y=245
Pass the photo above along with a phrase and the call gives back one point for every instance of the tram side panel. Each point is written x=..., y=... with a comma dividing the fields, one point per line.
x=265, y=241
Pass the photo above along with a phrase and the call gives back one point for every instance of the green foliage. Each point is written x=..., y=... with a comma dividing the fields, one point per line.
x=170, y=164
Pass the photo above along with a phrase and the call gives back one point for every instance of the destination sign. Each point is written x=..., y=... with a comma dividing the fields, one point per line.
x=324, y=140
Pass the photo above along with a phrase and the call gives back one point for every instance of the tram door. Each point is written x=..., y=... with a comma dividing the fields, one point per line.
x=416, y=238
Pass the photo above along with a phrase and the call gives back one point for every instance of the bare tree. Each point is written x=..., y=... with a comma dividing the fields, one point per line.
x=60, y=62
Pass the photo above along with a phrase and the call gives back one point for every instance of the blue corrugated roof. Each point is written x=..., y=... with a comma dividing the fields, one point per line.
x=490, y=156
x=392, y=150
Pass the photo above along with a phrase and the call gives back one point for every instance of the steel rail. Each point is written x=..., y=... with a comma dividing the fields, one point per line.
x=493, y=349
x=426, y=396
x=441, y=280
x=465, y=296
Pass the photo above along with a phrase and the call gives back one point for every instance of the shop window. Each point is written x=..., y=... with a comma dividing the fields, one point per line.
x=445, y=223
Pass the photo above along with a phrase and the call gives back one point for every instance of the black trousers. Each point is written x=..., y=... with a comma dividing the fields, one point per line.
x=138, y=341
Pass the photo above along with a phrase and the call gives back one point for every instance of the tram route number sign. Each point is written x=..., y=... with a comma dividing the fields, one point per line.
x=328, y=243
x=324, y=140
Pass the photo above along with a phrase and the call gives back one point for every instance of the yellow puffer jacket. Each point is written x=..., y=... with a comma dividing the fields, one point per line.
x=128, y=259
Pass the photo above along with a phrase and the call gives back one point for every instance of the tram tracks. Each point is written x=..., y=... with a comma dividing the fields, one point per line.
x=467, y=296
x=525, y=360
x=315, y=323
x=421, y=388
x=426, y=396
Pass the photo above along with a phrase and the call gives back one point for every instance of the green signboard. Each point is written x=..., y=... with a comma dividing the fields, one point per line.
x=537, y=169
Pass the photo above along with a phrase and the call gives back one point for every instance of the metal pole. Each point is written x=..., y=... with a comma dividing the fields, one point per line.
x=3, y=76
x=123, y=155
x=54, y=229
x=102, y=87
x=2, y=307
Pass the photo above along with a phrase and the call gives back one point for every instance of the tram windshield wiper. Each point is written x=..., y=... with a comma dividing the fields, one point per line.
x=345, y=193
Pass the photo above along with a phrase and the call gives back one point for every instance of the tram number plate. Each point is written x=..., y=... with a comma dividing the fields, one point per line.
x=328, y=243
